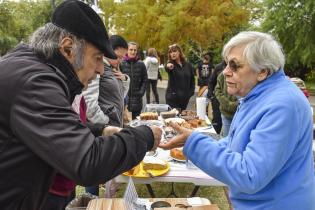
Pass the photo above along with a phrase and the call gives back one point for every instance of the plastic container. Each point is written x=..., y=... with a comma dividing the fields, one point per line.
x=157, y=108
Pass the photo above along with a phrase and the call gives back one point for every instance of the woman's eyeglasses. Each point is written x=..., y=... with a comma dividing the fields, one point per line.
x=233, y=66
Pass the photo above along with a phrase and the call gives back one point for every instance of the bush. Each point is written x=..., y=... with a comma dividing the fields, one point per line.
x=7, y=43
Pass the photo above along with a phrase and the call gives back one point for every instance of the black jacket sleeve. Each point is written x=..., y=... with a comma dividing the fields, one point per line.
x=96, y=129
x=144, y=78
x=44, y=122
x=213, y=79
x=192, y=80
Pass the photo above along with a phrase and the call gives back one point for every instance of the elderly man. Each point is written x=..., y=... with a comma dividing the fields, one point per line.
x=39, y=132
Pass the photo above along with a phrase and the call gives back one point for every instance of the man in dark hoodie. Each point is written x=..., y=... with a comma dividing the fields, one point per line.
x=40, y=134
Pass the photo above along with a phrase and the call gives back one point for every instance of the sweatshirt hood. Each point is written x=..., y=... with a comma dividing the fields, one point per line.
x=153, y=60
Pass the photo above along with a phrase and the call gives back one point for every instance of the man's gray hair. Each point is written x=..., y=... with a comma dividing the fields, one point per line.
x=261, y=51
x=45, y=41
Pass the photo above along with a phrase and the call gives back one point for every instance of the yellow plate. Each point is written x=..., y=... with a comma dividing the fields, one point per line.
x=143, y=173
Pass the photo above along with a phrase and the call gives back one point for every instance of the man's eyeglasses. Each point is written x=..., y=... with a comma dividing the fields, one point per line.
x=233, y=65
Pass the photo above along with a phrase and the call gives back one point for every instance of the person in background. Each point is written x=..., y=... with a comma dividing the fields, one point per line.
x=266, y=160
x=136, y=70
x=215, y=105
x=181, y=80
x=152, y=64
x=107, y=93
x=40, y=134
x=228, y=104
x=203, y=70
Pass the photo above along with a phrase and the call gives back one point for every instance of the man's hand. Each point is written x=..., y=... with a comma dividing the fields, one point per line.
x=110, y=130
x=179, y=140
x=157, y=133
x=119, y=75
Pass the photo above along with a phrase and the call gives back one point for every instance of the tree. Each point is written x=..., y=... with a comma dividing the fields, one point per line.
x=15, y=26
x=7, y=23
x=293, y=23
x=196, y=25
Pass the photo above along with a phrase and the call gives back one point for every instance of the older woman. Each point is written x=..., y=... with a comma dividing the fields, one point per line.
x=266, y=160
x=181, y=81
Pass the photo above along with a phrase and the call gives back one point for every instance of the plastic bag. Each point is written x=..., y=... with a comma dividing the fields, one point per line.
x=81, y=202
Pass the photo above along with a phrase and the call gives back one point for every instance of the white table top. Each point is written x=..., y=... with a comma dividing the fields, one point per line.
x=178, y=173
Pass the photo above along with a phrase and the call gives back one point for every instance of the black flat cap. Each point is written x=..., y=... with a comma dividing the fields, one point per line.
x=81, y=20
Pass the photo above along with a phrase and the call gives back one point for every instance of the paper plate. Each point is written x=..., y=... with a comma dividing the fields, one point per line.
x=178, y=160
x=152, y=153
x=136, y=123
x=143, y=173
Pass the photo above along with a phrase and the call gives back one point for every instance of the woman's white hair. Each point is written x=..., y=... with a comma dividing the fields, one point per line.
x=261, y=50
x=45, y=42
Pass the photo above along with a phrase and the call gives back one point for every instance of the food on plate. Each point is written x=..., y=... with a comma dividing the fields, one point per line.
x=153, y=163
x=178, y=121
x=177, y=153
x=149, y=116
x=134, y=170
x=189, y=117
x=189, y=113
x=169, y=114
x=169, y=132
x=195, y=123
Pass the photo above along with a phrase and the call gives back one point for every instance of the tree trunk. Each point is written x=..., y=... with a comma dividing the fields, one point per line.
x=53, y=4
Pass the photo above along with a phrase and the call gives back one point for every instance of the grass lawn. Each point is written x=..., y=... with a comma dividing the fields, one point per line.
x=215, y=194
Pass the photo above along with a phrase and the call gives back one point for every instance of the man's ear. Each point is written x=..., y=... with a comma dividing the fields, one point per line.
x=262, y=75
x=66, y=49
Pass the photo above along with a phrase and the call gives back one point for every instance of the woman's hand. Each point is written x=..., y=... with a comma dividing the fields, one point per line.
x=179, y=140
x=170, y=66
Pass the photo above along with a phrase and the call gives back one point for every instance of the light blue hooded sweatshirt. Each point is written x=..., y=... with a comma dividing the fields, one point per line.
x=266, y=160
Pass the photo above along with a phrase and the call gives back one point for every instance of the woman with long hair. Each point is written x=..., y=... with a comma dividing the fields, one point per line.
x=181, y=81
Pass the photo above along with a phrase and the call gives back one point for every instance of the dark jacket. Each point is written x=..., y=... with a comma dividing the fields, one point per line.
x=228, y=103
x=213, y=79
x=40, y=134
x=111, y=97
x=137, y=72
x=181, y=82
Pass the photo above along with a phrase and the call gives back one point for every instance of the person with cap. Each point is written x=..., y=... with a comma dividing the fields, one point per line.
x=62, y=189
x=40, y=134
x=105, y=95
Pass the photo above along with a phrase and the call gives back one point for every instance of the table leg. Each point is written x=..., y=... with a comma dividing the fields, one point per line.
x=195, y=190
x=150, y=190
x=226, y=191
x=172, y=192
